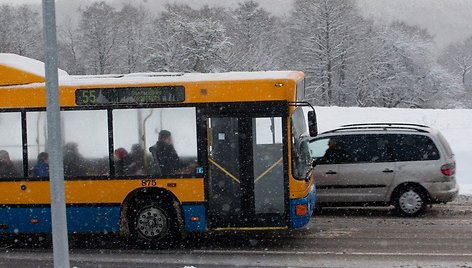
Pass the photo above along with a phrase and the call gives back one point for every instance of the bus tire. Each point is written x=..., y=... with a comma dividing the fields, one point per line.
x=153, y=223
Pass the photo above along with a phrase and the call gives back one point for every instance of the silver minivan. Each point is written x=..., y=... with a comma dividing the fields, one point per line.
x=405, y=165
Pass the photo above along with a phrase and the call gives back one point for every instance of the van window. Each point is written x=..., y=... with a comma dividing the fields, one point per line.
x=318, y=148
x=414, y=148
x=330, y=150
x=366, y=149
x=445, y=144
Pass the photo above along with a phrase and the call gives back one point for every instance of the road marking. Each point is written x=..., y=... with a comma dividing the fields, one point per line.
x=105, y=255
x=271, y=252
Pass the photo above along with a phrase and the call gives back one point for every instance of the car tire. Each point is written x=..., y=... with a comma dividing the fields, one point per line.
x=410, y=201
x=153, y=224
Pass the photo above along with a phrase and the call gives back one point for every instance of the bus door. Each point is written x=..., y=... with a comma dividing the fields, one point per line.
x=246, y=180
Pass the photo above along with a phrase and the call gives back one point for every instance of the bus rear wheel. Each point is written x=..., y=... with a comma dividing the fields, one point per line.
x=153, y=224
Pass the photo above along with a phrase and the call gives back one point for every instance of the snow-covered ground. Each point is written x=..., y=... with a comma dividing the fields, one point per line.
x=455, y=125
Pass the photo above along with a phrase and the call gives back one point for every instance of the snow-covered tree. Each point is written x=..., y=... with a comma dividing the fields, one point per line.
x=188, y=40
x=348, y=60
x=99, y=29
x=69, y=49
x=457, y=58
x=320, y=44
x=6, y=32
x=398, y=69
x=254, y=38
x=20, y=31
x=133, y=36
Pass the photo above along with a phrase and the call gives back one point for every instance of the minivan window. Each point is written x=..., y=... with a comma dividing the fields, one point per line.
x=409, y=147
x=318, y=148
x=366, y=149
x=328, y=151
x=349, y=149
x=445, y=144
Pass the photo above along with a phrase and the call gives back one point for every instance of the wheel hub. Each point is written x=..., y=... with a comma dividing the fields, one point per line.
x=411, y=202
x=151, y=222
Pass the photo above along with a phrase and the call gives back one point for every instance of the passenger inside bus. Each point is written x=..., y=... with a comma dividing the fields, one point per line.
x=73, y=160
x=166, y=157
x=41, y=169
x=129, y=163
x=164, y=154
x=137, y=160
x=7, y=170
x=122, y=161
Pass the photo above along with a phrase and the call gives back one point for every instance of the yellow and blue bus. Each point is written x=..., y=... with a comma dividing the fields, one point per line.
x=153, y=156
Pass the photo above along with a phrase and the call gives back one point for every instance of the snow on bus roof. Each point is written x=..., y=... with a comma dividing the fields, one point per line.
x=145, y=78
x=25, y=64
x=35, y=67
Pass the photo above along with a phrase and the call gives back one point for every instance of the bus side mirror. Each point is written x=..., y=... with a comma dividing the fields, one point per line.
x=312, y=124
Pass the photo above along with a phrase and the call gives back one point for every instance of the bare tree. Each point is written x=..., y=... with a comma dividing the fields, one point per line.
x=398, y=70
x=98, y=28
x=254, y=39
x=6, y=29
x=189, y=40
x=133, y=37
x=348, y=60
x=457, y=58
x=20, y=31
x=322, y=42
x=69, y=49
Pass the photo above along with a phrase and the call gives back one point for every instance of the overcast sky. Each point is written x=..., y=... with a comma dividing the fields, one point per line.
x=448, y=20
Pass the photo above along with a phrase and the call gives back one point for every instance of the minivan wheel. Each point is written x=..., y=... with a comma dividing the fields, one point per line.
x=410, y=202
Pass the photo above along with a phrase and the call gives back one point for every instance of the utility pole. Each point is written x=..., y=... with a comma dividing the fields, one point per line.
x=56, y=165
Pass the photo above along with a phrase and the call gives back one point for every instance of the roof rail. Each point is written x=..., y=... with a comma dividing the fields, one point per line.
x=375, y=127
x=385, y=124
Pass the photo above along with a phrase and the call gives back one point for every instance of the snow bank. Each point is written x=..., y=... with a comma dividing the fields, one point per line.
x=455, y=125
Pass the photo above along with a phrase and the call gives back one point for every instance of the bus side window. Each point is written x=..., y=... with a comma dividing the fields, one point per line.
x=36, y=131
x=85, y=136
x=161, y=142
x=11, y=152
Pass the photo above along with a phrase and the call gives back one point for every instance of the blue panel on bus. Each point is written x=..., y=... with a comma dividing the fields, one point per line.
x=79, y=219
x=194, y=218
x=300, y=221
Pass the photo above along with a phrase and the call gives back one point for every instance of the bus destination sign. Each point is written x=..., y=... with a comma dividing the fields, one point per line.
x=130, y=95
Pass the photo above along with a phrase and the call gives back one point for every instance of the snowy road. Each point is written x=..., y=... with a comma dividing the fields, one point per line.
x=337, y=238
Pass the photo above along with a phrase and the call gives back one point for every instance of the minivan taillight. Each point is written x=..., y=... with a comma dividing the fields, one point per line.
x=448, y=169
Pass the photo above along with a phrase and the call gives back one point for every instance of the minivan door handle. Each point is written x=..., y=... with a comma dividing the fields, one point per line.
x=330, y=172
x=387, y=170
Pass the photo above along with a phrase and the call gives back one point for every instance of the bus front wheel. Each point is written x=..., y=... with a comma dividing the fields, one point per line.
x=153, y=223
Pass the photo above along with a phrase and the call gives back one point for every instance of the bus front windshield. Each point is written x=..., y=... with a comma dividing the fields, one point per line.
x=301, y=160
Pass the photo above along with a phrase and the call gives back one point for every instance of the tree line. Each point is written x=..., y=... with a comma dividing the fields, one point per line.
x=348, y=60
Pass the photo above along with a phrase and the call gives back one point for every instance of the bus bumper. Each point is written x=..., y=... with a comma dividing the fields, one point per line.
x=194, y=218
x=298, y=221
